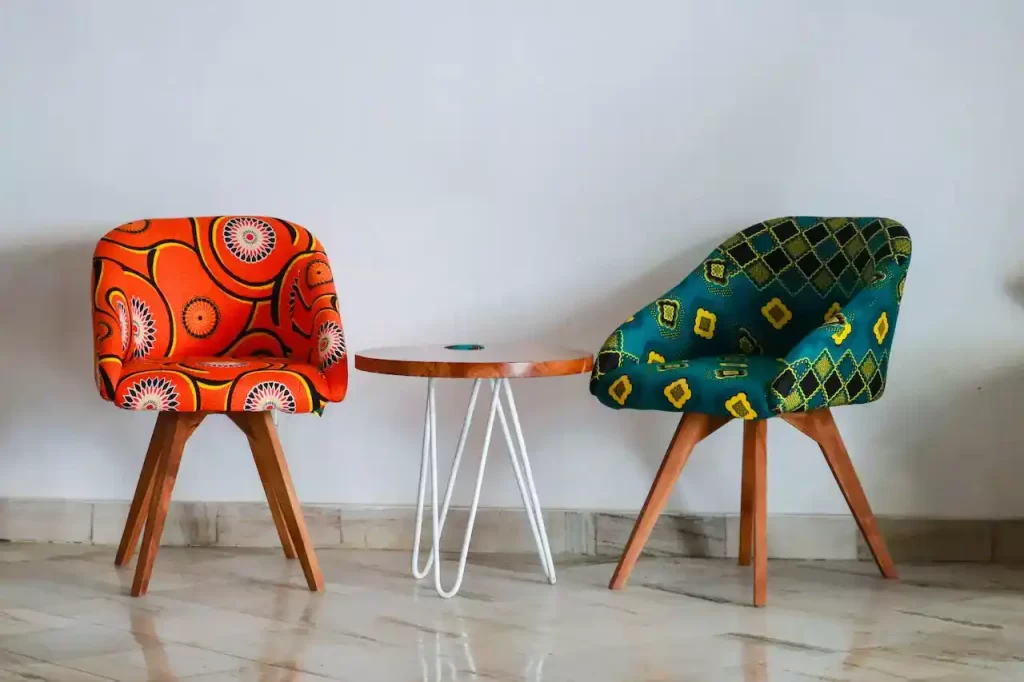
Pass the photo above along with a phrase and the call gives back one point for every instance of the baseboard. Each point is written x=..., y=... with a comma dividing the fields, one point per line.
x=574, y=532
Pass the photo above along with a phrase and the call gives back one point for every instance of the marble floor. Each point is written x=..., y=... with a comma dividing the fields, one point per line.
x=214, y=615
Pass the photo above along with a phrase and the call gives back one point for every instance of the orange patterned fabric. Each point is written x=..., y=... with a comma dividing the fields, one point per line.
x=216, y=314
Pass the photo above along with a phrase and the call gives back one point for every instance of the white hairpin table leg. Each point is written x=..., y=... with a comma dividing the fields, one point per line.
x=527, y=490
x=428, y=469
x=429, y=441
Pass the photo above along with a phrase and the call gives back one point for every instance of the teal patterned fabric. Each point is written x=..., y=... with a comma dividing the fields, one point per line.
x=789, y=315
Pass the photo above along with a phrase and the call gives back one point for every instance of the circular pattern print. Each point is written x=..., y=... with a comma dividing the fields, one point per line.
x=269, y=395
x=318, y=272
x=250, y=240
x=103, y=332
x=123, y=323
x=330, y=344
x=200, y=317
x=151, y=393
x=134, y=227
x=143, y=328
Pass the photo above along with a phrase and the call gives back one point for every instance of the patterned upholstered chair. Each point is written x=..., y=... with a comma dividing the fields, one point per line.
x=231, y=315
x=791, y=317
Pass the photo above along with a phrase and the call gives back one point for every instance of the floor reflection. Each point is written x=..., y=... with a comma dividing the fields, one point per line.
x=226, y=616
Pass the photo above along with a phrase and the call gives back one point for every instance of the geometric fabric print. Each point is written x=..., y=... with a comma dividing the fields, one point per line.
x=747, y=343
x=620, y=389
x=678, y=392
x=855, y=246
x=151, y=393
x=704, y=323
x=607, y=361
x=823, y=281
x=269, y=395
x=844, y=332
x=715, y=271
x=669, y=366
x=249, y=239
x=759, y=274
x=792, y=402
x=797, y=246
x=869, y=365
x=143, y=328
x=776, y=312
x=667, y=312
x=846, y=365
x=823, y=365
x=613, y=342
x=901, y=245
x=833, y=311
x=788, y=295
x=215, y=306
x=899, y=289
x=881, y=328
x=785, y=382
x=330, y=344
x=200, y=317
x=739, y=407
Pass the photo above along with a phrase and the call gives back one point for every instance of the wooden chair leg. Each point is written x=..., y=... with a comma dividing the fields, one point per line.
x=182, y=426
x=267, y=446
x=747, y=494
x=755, y=439
x=158, y=444
x=243, y=421
x=820, y=426
x=692, y=429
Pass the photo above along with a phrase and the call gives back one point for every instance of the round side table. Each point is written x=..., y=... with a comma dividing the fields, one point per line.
x=497, y=364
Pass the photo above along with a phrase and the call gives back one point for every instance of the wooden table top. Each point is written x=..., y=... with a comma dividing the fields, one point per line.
x=472, y=361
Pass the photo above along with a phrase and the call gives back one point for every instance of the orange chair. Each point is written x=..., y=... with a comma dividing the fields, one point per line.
x=230, y=315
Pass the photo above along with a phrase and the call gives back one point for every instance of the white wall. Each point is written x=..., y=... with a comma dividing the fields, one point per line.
x=484, y=171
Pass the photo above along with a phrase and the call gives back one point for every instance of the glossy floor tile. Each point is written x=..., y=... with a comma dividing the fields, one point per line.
x=214, y=615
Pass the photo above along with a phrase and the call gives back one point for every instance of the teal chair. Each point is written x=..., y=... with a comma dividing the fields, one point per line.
x=790, y=318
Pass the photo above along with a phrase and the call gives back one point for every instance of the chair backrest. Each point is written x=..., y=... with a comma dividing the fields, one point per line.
x=784, y=277
x=215, y=286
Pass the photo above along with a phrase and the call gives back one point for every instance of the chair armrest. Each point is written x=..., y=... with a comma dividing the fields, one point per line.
x=312, y=301
x=846, y=359
x=111, y=321
x=659, y=332
x=330, y=351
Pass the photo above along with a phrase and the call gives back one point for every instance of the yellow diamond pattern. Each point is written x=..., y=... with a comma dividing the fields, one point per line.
x=678, y=392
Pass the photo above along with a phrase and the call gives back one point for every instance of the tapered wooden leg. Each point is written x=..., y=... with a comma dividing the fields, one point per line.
x=182, y=426
x=158, y=443
x=267, y=446
x=747, y=494
x=821, y=427
x=692, y=429
x=243, y=420
x=756, y=433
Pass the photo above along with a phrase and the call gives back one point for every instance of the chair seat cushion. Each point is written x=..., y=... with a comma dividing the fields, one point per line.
x=725, y=385
x=221, y=384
